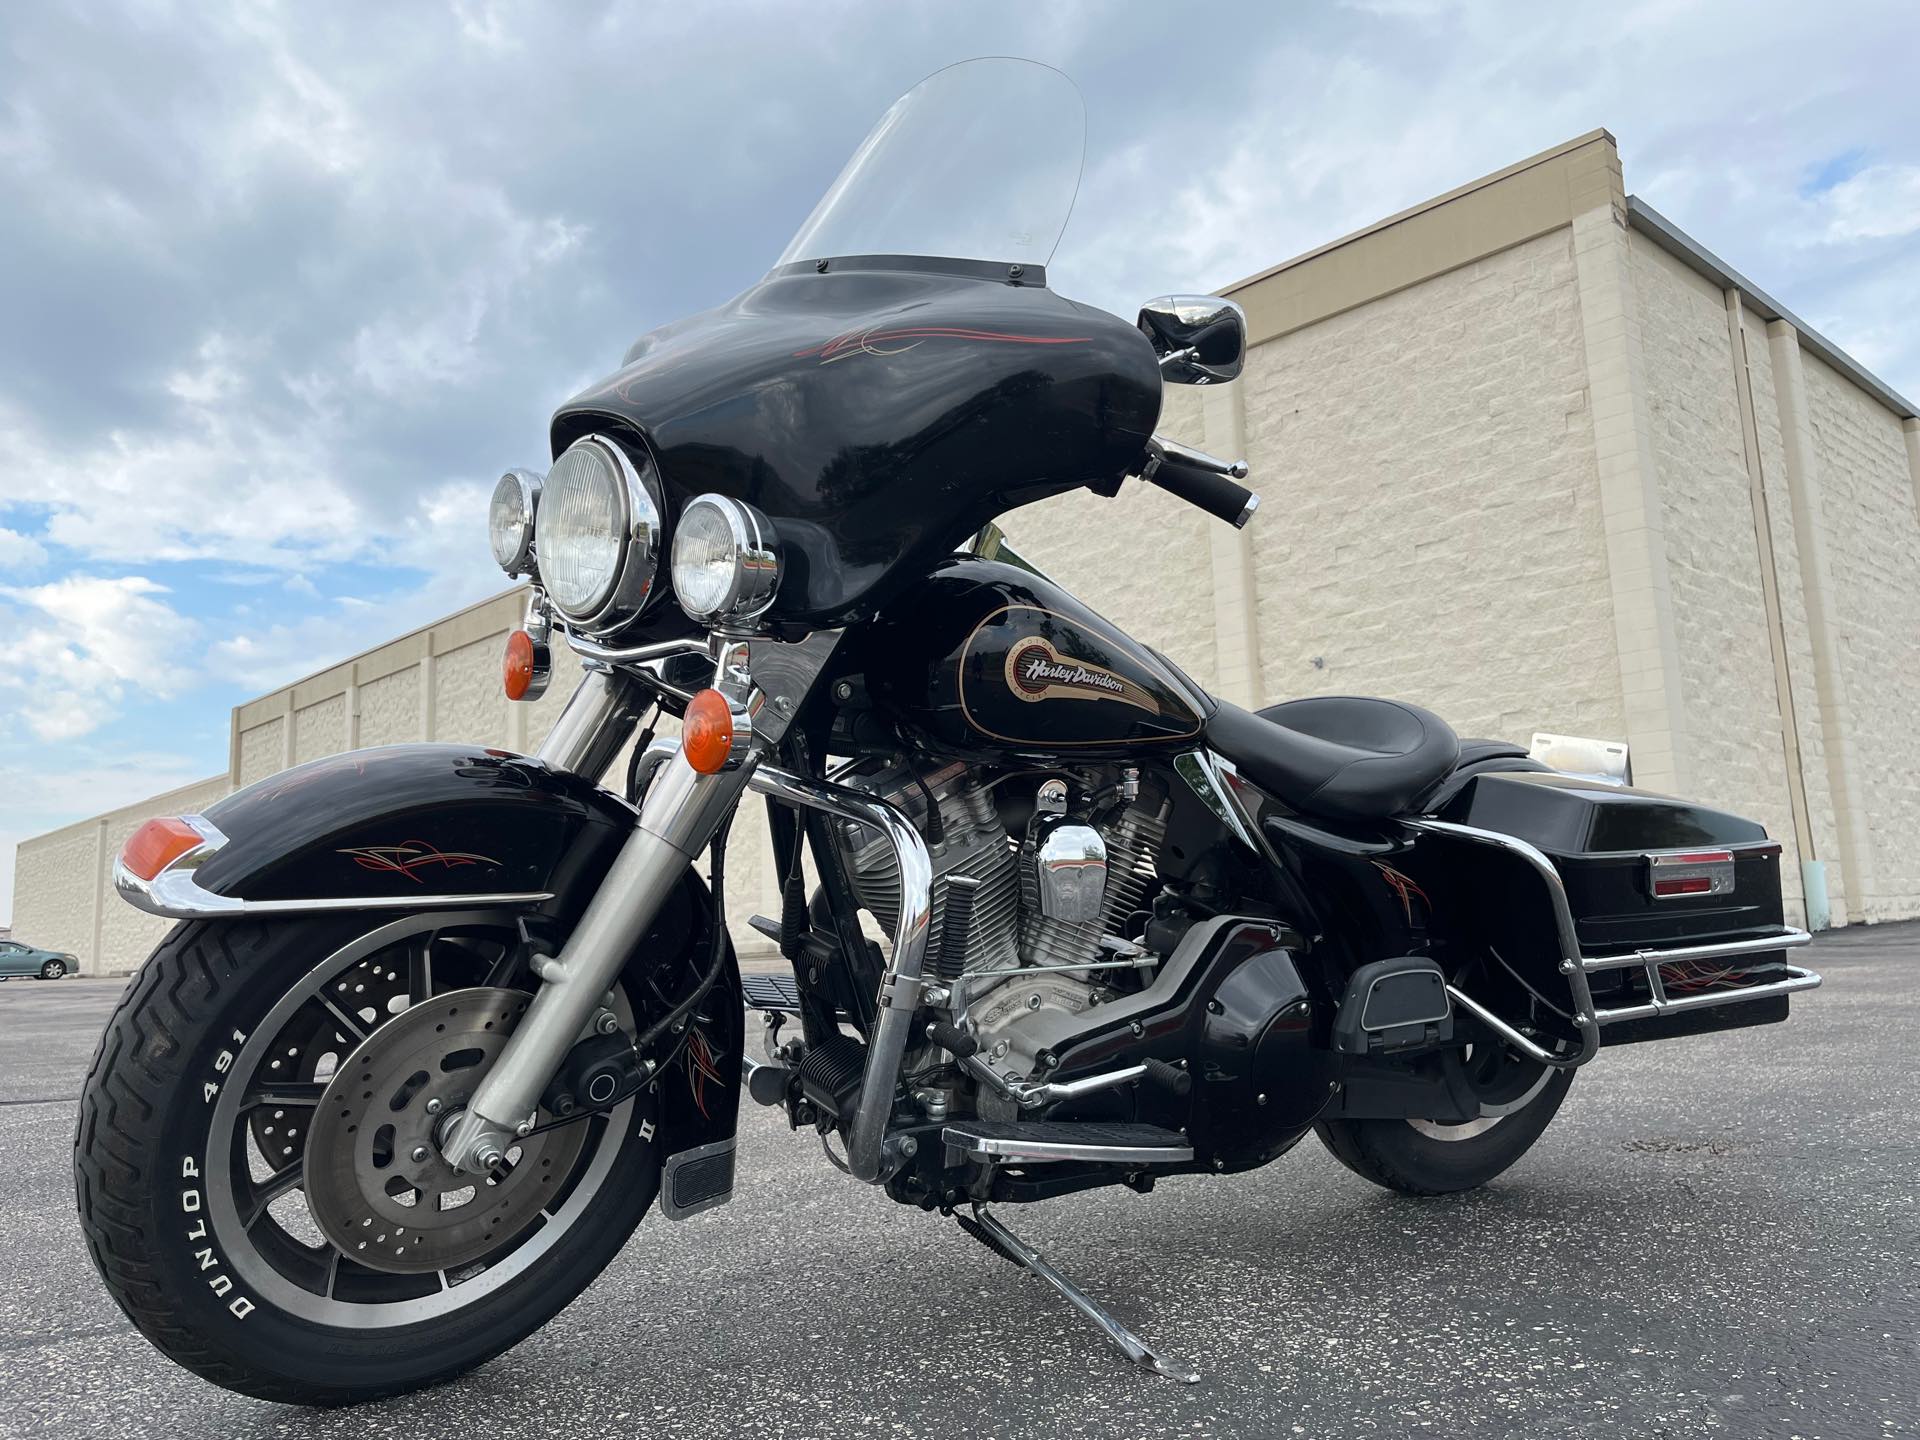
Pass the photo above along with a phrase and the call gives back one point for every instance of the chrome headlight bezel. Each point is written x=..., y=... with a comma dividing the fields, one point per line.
x=638, y=532
x=755, y=557
x=524, y=487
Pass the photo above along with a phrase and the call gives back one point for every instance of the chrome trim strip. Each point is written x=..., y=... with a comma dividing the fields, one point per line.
x=1005, y=1148
x=901, y=982
x=176, y=895
x=1797, y=980
x=1201, y=770
x=1785, y=940
x=632, y=654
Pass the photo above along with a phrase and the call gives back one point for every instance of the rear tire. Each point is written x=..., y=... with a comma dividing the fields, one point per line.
x=201, y=1029
x=1417, y=1157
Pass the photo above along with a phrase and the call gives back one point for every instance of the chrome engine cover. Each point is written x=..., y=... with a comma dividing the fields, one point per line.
x=976, y=887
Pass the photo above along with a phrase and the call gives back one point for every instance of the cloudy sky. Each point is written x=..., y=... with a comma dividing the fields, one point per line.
x=284, y=287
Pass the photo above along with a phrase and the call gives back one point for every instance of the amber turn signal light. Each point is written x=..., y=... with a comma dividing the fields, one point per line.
x=517, y=670
x=524, y=668
x=157, y=844
x=706, y=734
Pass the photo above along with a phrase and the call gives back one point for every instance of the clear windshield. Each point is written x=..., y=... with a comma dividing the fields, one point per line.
x=980, y=161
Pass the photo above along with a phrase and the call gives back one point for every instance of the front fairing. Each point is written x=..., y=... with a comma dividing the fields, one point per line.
x=878, y=410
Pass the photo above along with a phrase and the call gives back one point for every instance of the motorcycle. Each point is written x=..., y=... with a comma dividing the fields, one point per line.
x=442, y=1023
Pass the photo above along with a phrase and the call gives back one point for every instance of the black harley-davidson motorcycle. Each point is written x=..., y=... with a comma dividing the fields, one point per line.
x=443, y=1022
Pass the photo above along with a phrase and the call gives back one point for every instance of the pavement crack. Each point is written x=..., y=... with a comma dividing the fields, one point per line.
x=45, y=1100
x=12, y=1344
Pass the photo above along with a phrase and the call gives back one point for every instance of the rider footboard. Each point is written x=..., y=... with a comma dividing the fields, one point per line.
x=1667, y=917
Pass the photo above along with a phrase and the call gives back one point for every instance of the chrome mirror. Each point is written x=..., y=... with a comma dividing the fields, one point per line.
x=1200, y=339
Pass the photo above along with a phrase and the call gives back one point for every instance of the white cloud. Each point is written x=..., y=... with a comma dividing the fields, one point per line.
x=93, y=644
x=19, y=553
x=1879, y=203
x=442, y=538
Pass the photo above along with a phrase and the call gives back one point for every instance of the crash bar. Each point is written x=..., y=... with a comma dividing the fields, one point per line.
x=1576, y=964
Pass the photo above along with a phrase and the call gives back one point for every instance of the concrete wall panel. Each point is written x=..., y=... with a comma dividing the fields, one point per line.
x=1431, y=530
x=1720, y=620
x=1873, y=547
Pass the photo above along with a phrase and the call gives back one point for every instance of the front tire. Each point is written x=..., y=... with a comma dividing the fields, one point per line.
x=1519, y=1099
x=53, y=969
x=191, y=1139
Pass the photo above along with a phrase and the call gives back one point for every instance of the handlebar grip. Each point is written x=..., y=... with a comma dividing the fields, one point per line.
x=1195, y=480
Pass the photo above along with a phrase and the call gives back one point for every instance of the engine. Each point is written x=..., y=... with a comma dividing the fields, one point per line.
x=1065, y=894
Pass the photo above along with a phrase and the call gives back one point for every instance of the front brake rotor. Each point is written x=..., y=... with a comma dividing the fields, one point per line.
x=376, y=1184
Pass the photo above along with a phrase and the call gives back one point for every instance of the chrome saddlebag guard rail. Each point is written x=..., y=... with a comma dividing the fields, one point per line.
x=1576, y=965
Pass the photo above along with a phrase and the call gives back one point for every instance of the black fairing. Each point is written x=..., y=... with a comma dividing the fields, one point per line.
x=879, y=412
x=413, y=820
x=986, y=658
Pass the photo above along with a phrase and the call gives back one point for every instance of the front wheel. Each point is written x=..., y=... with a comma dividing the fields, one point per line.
x=256, y=1171
x=53, y=969
x=1518, y=1100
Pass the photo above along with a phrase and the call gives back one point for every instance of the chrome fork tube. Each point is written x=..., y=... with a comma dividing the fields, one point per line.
x=595, y=723
x=682, y=810
x=900, y=985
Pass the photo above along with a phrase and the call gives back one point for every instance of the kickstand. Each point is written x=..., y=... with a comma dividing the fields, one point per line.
x=1003, y=1242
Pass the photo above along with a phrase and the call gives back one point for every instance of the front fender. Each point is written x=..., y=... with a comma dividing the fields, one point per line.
x=400, y=827
x=411, y=827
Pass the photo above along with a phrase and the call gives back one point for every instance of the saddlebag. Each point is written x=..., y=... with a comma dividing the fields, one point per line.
x=1675, y=909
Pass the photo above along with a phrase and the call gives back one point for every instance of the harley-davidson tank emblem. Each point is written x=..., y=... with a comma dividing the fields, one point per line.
x=1037, y=671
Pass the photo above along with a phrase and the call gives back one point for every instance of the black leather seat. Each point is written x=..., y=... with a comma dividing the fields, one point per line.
x=1345, y=757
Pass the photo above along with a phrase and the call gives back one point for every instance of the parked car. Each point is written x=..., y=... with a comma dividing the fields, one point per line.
x=17, y=960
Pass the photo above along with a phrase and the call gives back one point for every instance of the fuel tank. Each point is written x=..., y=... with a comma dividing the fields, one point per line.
x=982, y=657
x=878, y=410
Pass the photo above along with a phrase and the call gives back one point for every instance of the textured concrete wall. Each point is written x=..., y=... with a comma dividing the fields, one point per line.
x=63, y=889
x=1429, y=527
x=1867, y=506
x=56, y=891
x=1796, y=628
x=1725, y=657
x=390, y=708
x=263, y=750
x=320, y=729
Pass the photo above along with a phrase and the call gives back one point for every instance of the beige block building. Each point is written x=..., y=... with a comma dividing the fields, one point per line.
x=1528, y=455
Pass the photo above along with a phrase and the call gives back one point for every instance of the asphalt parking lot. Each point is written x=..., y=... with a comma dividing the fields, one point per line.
x=1717, y=1237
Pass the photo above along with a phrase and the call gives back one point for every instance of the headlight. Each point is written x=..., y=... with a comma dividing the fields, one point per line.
x=724, y=563
x=510, y=520
x=598, y=534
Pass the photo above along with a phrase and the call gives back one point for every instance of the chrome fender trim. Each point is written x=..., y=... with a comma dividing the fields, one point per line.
x=175, y=894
